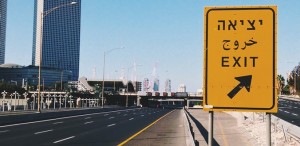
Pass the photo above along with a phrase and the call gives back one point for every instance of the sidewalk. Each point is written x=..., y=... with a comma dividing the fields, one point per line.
x=226, y=130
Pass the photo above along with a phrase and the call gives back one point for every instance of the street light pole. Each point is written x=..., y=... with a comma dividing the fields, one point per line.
x=104, y=72
x=44, y=14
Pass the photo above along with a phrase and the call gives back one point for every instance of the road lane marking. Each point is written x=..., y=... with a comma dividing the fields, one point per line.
x=57, y=123
x=69, y=117
x=142, y=115
x=87, y=117
x=106, y=114
x=125, y=114
x=4, y=131
x=111, y=117
x=63, y=139
x=111, y=125
x=131, y=119
x=40, y=132
x=136, y=134
x=294, y=114
x=222, y=131
x=286, y=112
x=88, y=122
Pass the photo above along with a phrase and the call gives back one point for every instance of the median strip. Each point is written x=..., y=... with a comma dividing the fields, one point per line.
x=136, y=134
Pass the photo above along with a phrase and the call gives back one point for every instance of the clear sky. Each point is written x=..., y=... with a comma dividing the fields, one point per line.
x=168, y=33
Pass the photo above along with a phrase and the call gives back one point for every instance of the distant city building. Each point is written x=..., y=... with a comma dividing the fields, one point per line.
x=28, y=75
x=61, y=35
x=168, y=85
x=146, y=84
x=3, y=9
x=181, y=88
x=156, y=84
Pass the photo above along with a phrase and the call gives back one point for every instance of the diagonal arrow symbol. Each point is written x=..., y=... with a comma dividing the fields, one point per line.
x=245, y=81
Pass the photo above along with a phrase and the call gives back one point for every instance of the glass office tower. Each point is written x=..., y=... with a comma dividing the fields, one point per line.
x=3, y=9
x=60, y=34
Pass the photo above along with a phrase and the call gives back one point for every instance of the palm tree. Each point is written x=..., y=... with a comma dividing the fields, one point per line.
x=281, y=83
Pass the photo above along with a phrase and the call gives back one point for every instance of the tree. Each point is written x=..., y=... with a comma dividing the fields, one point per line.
x=281, y=83
x=10, y=88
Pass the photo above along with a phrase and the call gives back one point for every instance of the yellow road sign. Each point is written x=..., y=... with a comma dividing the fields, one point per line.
x=240, y=59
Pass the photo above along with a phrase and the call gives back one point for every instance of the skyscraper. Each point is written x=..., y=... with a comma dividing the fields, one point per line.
x=3, y=8
x=61, y=34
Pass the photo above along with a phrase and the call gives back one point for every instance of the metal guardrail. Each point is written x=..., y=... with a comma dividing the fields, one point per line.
x=290, y=130
x=191, y=141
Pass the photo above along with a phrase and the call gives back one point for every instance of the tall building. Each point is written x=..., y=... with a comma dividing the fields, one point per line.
x=156, y=84
x=146, y=84
x=168, y=85
x=3, y=8
x=181, y=88
x=61, y=34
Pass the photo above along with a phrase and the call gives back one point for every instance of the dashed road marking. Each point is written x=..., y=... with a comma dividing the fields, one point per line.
x=64, y=139
x=57, y=123
x=111, y=125
x=111, y=117
x=87, y=117
x=4, y=131
x=131, y=119
x=88, y=122
x=40, y=132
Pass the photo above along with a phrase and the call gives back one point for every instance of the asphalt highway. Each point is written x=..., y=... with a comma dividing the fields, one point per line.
x=97, y=128
x=289, y=110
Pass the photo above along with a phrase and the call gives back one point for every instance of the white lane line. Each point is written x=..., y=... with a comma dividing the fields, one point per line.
x=88, y=122
x=280, y=109
x=294, y=114
x=4, y=131
x=111, y=117
x=286, y=112
x=87, y=117
x=142, y=115
x=125, y=114
x=131, y=119
x=40, y=132
x=57, y=123
x=106, y=114
x=63, y=139
x=26, y=123
x=111, y=125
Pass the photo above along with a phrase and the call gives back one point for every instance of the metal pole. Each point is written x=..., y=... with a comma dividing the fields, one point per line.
x=210, y=128
x=60, y=101
x=103, y=79
x=127, y=94
x=15, y=100
x=40, y=63
x=268, y=125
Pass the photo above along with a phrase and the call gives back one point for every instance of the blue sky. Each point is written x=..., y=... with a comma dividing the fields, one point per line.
x=168, y=33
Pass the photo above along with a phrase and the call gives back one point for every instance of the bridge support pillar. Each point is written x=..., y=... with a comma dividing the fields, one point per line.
x=138, y=100
x=187, y=103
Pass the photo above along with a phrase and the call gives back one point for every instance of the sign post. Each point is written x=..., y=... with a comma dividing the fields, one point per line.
x=240, y=60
